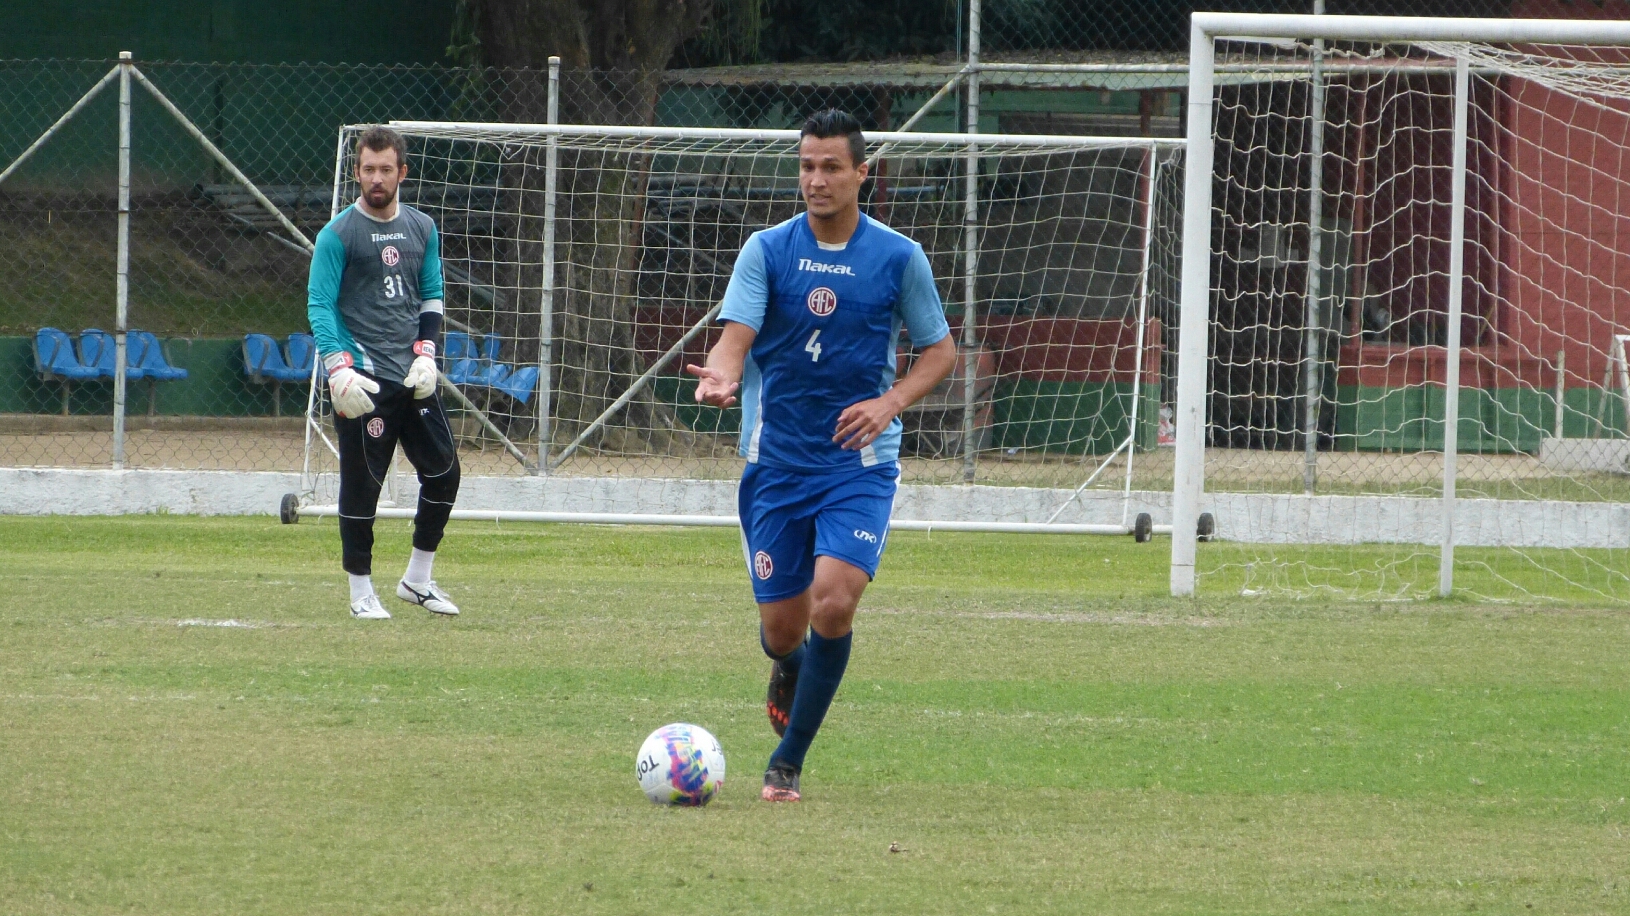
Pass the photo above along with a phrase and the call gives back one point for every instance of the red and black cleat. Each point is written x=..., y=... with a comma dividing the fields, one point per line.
x=778, y=702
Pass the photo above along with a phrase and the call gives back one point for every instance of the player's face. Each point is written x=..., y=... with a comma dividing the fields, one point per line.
x=829, y=179
x=379, y=174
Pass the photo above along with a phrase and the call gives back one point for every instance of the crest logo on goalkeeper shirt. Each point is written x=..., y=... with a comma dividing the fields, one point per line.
x=822, y=301
x=390, y=256
x=763, y=567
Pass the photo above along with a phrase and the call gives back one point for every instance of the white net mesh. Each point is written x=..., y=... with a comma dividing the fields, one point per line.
x=1354, y=355
x=1074, y=269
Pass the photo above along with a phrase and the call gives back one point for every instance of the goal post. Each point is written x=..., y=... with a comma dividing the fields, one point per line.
x=1403, y=276
x=584, y=268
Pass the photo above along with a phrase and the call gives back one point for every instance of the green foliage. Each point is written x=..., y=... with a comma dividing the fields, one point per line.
x=779, y=31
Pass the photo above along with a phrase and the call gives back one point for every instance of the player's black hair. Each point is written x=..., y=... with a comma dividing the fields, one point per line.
x=833, y=122
x=379, y=139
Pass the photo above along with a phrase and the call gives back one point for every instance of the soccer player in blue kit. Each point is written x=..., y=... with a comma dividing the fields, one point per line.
x=812, y=316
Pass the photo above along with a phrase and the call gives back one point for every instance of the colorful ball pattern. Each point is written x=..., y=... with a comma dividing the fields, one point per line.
x=680, y=764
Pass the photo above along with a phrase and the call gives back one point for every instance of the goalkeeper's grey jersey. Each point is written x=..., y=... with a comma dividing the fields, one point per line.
x=370, y=279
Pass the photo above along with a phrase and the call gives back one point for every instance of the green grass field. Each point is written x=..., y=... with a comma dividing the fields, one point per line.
x=1033, y=725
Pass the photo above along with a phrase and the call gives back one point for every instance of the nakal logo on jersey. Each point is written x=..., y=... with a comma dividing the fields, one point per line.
x=866, y=536
x=390, y=256
x=818, y=267
x=822, y=301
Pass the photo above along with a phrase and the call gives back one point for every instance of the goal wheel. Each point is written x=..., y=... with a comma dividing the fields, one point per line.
x=1143, y=528
x=289, y=509
x=1206, y=527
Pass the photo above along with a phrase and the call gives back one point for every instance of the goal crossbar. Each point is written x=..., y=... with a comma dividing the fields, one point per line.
x=502, y=131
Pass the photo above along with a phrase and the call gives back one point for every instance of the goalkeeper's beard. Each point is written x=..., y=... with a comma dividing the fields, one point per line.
x=379, y=198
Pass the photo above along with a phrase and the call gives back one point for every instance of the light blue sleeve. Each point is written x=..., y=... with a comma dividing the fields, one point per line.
x=919, y=306
x=747, y=297
x=430, y=280
x=323, y=294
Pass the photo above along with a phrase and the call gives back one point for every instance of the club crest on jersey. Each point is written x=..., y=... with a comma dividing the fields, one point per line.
x=822, y=301
x=763, y=567
x=390, y=256
x=376, y=427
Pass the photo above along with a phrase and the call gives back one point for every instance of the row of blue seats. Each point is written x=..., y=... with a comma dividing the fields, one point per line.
x=466, y=365
x=469, y=366
x=96, y=357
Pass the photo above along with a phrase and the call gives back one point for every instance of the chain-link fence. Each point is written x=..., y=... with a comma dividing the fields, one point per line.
x=1019, y=29
x=210, y=266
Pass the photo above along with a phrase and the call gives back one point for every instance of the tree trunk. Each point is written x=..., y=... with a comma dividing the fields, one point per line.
x=613, y=53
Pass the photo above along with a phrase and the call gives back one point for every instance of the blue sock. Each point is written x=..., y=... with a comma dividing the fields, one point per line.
x=824, y=662
x=792, y=661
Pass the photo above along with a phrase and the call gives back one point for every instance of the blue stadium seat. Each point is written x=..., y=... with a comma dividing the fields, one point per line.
x=98, y=348
x=263, y=361
x=147, y=354
x=55, y=359
x=302, y=354
x=519, y=384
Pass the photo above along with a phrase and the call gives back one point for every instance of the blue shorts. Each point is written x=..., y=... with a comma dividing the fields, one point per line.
x=788, y=518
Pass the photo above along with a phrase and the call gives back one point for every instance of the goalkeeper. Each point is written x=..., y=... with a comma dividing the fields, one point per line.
x=375, y=306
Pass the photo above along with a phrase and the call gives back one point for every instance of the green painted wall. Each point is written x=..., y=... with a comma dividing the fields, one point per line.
x=1493, y=421
x=265, y=31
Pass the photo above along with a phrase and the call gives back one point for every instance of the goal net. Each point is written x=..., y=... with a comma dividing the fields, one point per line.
x=1414, y=259
x=584, y=268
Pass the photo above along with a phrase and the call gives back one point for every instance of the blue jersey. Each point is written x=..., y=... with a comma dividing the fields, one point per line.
x=828, y=320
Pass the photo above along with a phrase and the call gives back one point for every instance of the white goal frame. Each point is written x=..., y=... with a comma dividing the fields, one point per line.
x=1143, y=525
x=1194, y=301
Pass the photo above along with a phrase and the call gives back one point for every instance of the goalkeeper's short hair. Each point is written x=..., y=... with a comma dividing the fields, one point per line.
x=380, y=138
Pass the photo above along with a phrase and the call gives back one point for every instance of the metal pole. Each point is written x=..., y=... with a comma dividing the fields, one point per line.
x=1313, y=342
x=1457, y=276
x=220, y=157
x=1143, y=322
x=122, y=289
x=1561, y=379
x=970, y=260
x=546, y=310
x=917, y=115
x=66, y=117
x=1193, y=314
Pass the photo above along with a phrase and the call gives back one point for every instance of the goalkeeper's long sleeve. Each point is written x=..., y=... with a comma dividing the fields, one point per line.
x=323, y=295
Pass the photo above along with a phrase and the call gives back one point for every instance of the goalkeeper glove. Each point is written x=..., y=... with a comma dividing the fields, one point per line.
x=349, y=388
x=421, y=375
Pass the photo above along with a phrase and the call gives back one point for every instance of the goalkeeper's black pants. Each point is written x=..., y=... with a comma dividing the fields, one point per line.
x=367, y=444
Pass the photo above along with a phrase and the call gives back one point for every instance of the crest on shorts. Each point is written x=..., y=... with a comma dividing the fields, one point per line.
x=376, y=427
x=762, y=566
x=822, y=301
x=390, y=256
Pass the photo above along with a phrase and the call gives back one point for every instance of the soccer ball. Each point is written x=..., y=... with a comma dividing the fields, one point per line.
x=680, y=765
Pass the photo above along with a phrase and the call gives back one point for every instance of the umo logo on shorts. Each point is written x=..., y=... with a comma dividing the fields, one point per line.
x=866, y=536
x=390, y=256
x=376, y=427
x=762, y=566
x=822, y=301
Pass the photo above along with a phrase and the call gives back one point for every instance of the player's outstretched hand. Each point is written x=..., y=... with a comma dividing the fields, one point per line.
x=350, y=389
x=712, y=387
x=860, y=424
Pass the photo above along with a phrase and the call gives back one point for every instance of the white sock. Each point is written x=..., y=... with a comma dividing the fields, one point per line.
x=361, y=586
x=418, y=571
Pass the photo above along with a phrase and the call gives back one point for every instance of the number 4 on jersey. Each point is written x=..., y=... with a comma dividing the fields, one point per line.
x=813, y=348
